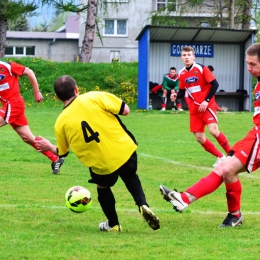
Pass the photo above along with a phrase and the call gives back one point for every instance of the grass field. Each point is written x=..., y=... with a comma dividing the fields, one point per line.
x=35, y=224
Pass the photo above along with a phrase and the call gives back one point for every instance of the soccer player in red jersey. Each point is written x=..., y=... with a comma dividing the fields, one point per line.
x=13, y=107
x=244, y=156
x=200, y=84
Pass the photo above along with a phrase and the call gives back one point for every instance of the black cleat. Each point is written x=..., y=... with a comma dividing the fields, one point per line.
x=232, y=221
x=56, y=165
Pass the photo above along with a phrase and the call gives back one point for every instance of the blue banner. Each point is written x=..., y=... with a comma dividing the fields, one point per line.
x=201, y=49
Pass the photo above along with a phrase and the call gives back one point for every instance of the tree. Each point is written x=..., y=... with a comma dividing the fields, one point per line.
x=9, y=11
x=226, y=13
x=18, y=24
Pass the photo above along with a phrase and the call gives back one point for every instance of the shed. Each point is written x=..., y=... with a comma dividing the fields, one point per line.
x=159, y=49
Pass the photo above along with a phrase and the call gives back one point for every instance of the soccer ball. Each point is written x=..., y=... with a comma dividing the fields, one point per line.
x=78, y=199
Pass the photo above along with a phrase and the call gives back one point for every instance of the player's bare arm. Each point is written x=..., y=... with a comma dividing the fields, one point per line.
x=32, y=78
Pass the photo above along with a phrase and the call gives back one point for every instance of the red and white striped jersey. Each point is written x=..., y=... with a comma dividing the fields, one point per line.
x=196, y=82
x=9, y=81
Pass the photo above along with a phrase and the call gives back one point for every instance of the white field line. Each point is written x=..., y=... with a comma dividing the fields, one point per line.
x=247, y=175
x=133, y=210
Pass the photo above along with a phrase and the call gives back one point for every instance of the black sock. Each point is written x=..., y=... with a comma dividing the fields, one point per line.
x=107, y=203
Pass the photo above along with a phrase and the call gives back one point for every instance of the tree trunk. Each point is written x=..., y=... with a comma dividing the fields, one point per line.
x=3, y=26
x=231, y=14
x=87, y=44
x=246, y=14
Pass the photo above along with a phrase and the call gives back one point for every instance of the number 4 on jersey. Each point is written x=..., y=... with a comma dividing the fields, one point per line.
x=93, y=135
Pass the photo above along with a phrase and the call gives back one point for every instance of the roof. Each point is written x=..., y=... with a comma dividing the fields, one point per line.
x=195, y=34
x=68, y=31
x=41, y=35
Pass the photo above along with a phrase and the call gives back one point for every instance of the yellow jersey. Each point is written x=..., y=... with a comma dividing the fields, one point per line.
x=91, y=127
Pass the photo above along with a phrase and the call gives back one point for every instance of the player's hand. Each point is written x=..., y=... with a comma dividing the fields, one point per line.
x=203, y=106
x=38, y=96
x=173, y=97
x=42, y=144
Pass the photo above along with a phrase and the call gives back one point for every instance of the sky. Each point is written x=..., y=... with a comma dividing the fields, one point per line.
x=45, y=14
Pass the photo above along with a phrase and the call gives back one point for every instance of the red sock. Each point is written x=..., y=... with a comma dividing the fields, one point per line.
x=223, y=142
x=53, y=157
x=185, y=198
x=205, y=185
x=233, y=194
x=211, y=148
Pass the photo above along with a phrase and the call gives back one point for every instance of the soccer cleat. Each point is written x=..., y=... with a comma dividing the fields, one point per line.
x=104, y=226
x=219, y=160
x=56, y=165
x=179, y=109
x=164, y=191
x=232, y=221
x=152, y=220
x=174, y=198
x=163, y=109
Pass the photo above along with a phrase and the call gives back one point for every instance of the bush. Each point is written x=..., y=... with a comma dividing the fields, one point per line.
x=117, y=78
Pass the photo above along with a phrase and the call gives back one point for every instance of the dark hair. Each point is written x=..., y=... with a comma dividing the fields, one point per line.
x=210, y=68
x=64, y=87
x=254, y=50
x=172, y=68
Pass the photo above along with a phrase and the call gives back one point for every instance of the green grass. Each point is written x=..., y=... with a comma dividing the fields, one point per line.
x=35, y=224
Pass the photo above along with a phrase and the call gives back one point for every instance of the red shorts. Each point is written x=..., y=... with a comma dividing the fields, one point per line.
x=247, y=150
x=13, y=112
x=200, y=120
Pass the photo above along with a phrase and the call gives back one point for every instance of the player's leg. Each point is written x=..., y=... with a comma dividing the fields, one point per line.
x=128, y=174
x=106, y=200
x=27, y=136
x=2, y=122
x=207, y=144
x=220, y=137
x=231, y=169
x=197, y=126
x=226, y=170
x=178, y=101
x=239, y=162
x=164, y=99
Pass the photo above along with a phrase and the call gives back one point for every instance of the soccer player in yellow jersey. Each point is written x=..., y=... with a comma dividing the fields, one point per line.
x=90, y=125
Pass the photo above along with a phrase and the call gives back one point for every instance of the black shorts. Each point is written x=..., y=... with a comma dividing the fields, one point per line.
x=109, y=180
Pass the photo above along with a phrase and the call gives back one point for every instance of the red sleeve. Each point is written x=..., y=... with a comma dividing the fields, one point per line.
x=17, y=69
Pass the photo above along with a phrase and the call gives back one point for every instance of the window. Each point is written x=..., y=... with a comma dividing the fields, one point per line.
x=115, y=28
x=20, y=51
x=170, y=4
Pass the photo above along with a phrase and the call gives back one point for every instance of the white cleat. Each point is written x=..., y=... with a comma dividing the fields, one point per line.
x=174, y=197
x=219, y=160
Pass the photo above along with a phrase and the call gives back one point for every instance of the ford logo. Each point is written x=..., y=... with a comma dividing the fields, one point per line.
x=191, y=80
x=2, y=76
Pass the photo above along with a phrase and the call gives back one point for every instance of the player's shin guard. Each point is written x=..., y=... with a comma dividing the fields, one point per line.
x=107, y=203
x=53, y=157
x=205, y=185
x=233, y=194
